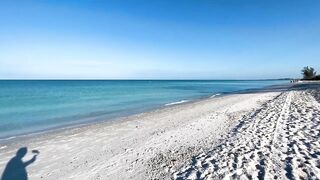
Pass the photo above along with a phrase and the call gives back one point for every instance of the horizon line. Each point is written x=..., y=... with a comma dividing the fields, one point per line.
x=205, y=79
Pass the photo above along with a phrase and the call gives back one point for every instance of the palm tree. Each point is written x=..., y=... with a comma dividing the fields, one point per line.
x=308, y=72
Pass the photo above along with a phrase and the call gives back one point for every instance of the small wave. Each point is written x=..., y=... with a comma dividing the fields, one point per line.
x=177, y=102
x=7, y=138
x=215, y=95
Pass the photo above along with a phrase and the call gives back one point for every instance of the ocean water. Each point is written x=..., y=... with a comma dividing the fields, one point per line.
x=38, y=105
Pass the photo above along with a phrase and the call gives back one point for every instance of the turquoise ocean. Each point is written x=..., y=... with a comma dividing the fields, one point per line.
x=29, y=106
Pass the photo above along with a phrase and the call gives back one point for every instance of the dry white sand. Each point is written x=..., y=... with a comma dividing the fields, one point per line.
x=263, y=134
x=279, y=141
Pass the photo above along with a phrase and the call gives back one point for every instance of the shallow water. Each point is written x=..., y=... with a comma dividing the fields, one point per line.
x=31, y=106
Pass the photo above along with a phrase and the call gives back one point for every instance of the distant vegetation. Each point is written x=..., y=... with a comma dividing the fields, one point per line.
x=309, y=74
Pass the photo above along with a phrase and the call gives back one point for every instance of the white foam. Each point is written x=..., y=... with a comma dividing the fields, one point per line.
x=177, y=102
x=8, y=138
x=215, y=95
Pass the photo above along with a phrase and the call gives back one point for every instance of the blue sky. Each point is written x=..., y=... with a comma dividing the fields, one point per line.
x=142, y=39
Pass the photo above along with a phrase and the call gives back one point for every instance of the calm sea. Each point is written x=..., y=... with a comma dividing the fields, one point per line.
x=31, y=106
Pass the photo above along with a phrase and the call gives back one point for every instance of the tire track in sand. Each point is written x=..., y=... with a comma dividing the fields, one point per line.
x=281, y=140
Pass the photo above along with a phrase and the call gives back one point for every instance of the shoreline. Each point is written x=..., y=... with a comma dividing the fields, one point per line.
x=75, y=125
x=107, y=122
x=131, y=147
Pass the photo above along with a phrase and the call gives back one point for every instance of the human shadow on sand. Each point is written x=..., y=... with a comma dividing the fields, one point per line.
x=16, y=168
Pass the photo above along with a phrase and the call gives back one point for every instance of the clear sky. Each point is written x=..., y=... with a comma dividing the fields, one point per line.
x=164, y=39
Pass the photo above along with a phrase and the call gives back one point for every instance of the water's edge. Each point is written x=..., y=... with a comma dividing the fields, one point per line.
x=4, y=141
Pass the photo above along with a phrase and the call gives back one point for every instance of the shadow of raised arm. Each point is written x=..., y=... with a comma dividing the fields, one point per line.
x=16, y=168
x=33, y=159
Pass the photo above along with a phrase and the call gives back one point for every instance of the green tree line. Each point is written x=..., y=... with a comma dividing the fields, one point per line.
x=309, y=73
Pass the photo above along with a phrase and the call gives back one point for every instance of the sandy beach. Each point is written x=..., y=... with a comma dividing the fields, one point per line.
x=267, y=134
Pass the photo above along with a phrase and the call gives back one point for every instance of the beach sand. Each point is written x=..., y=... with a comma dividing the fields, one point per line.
x=265, y=134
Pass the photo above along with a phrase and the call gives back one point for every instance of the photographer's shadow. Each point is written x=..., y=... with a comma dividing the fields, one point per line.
x=16, y=168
